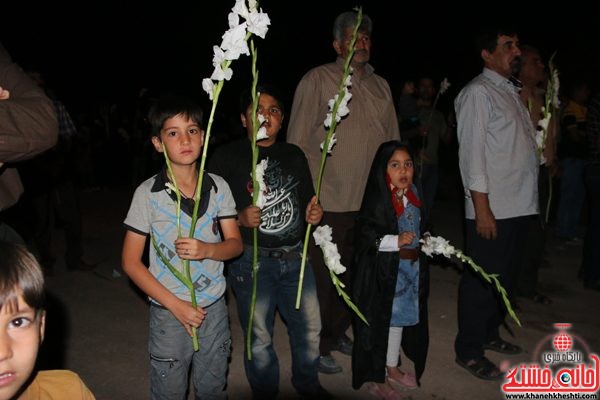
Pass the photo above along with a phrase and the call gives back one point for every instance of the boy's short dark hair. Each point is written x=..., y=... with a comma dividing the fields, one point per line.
x=169, y=106
x=262, y=88
x=20, y=273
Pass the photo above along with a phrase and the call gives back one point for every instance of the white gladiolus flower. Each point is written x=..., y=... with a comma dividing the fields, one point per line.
x=436, y=245
x=322, y=236
x=261, y=167
x=262, y=133
x=234, y=42
x=240, y=8
x=219, y=74
x=543, y=123
x=208, y=87
x=332, y=142
x=258, y=23
x=444, y=85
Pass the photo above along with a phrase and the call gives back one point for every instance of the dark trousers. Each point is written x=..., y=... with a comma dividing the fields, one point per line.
x=591, y=246
x=58, y=204
x=480, y=308
x=527, y=275
x=335, y=314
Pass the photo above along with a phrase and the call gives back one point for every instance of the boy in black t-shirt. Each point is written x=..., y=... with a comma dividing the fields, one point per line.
x=281, y=223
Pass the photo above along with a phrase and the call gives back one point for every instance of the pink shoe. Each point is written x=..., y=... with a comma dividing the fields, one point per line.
x=408, y=381
x=380, y=393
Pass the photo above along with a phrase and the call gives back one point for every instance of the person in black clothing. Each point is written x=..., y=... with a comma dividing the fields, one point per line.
x=281, y=222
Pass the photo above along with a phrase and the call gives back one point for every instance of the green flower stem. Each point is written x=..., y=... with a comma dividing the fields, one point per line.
x=186, y=278
x=185, y=263
x=493, y=279
x=328, y=137
x=177, y=191
x=339, y=285
x=255, y=193
x=549, y=95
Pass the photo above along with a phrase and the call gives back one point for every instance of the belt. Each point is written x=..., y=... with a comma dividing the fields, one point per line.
x=409, y=254
x=283, y=253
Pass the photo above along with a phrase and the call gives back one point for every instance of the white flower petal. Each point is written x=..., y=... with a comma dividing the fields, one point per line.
x=258, y=23
x=444, y=85
x=208, y=86
x=262, y=133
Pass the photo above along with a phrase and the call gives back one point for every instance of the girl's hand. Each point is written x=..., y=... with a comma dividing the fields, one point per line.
x=314, y=212
x=405, y=238
x=187, y=315
x=192, y=249
x=249, y=217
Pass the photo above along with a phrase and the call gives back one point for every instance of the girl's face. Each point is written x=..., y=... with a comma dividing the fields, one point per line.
x=400, y=169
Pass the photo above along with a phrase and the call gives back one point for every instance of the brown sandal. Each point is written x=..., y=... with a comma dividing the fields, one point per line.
x=482, y=368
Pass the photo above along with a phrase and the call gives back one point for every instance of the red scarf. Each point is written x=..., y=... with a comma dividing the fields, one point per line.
x=397, y=197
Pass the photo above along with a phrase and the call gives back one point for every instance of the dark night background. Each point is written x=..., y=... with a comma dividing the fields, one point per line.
x=105, y=52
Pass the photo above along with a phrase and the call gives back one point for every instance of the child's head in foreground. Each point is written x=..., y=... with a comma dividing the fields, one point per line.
x=176, y=123
x=22, y=317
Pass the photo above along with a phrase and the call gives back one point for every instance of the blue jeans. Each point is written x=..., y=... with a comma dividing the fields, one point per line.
x=572, y=193
x=277, y=287
x=172, y=353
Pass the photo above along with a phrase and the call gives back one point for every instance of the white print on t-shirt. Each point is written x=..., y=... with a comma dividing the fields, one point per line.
x=279, y=212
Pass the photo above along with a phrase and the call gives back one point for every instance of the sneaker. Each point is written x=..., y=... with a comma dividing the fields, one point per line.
x=343, y=345
x=327, y=365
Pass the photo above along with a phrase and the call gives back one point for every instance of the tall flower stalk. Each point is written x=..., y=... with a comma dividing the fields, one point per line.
x=433, y=245
x=551, y=103
x=322, y=236
x=233, y=45
x=338, y=107
x=258, y=187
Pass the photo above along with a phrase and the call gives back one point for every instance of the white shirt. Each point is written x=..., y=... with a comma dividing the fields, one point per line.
x=497, y=150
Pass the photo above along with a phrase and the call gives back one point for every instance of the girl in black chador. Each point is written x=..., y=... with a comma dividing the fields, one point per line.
x=390, y=284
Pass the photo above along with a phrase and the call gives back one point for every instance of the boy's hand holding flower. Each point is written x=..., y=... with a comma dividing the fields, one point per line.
x=188, y=315
x=249, y=217
x=314, y=212
x=193, y=249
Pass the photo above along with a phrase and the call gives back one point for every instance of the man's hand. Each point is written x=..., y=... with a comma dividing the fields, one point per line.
x=485, y=222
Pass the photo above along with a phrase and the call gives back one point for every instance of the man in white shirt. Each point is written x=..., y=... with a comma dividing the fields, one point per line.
x=499, y=166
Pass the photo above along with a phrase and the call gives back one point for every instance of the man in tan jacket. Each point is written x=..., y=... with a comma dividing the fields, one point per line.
x=28, y=126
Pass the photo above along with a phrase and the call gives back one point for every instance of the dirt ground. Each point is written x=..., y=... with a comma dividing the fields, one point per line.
x=98, y=321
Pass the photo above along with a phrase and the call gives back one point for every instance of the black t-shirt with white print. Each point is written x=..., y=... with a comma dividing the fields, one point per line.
x=289, y=188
